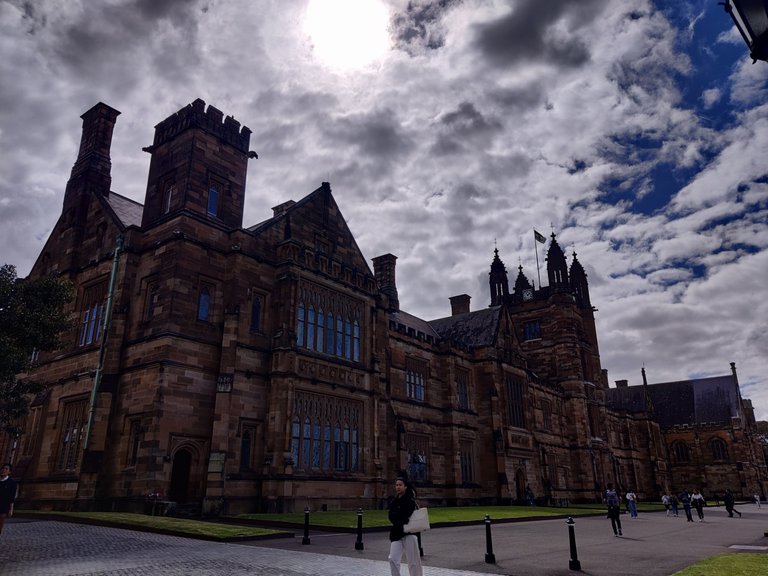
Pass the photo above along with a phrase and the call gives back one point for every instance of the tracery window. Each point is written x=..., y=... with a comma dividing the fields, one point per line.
x=515, y=398
x=415, y=378
x=72, y=433
x=681, y=452
x=719, y=450
x=329, y=323
x=92, y=315
x=325, y=433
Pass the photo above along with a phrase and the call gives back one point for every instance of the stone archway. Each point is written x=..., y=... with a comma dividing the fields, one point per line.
x=182, y=464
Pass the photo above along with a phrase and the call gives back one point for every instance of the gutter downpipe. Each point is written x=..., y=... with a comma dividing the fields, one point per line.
x=103, y=344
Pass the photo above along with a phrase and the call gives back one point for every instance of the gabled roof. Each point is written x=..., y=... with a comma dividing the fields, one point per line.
x=695, y=401
x=128, y=211
x=473, y=329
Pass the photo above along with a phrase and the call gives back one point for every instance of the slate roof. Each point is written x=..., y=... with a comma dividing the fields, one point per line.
x=696, y=401
x=128, y=211
x=473, y=329
x=411, y=321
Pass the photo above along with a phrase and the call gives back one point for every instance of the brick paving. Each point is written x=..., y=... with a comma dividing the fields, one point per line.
x=653, y=545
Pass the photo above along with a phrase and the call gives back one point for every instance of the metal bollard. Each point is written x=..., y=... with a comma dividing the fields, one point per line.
x=574, y=563
x=359, y=544
x=418, y=541
x=490, y=557
x=305, y=540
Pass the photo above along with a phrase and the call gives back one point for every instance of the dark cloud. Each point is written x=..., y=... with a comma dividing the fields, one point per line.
x=527, y=33
x=377, y=135
x=465, y=126
x=419, y=28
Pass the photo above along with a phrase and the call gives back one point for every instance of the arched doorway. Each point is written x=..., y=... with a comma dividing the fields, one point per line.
x=182, y=464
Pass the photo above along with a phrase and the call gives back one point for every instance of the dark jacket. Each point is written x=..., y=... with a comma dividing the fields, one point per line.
x=400, y=510
x=7, y=494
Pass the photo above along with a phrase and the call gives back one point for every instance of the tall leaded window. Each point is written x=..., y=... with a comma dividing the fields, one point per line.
x=300, y=325
x=153, y=297
x=256, y=314
x=417, y=447
x=204, y=303
x=466, y=455
x=72, y=433
x=546, y=415
x=92, y=315
x=213, y=200
x=719, y=450
x=681, y=452
x=168, y=198
x=325, y=433
x=515, y=398
x=311, y=328
x=328, y=323
x=462, y=388
x=134, y=440
x=415, y=378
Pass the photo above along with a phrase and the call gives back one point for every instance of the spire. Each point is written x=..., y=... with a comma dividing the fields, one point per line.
x=579, y=284
x=498, y=280
x=521, y=282
x=557, y=268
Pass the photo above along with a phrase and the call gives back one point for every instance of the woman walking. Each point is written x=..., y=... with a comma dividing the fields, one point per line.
x=698, y=502
x=400, y=509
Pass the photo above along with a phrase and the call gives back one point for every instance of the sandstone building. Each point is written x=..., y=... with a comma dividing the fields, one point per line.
x=268, y=367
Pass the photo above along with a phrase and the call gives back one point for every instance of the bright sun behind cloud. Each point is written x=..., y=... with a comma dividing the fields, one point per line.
x=347, y=34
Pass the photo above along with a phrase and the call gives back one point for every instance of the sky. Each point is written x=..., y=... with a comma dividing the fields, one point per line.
x=636, y=131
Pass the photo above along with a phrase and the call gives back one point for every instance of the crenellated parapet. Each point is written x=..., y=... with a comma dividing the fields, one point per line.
x=212, y=120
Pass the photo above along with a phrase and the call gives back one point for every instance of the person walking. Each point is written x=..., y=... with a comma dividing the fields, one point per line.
x=698, y=502
x=756, y=498
x=614, y=509
x=666, y=501
x=730, y=501
x=685, y=500
x=7, y=493
x=631, y=503
x=400, y=509
x=673, y=503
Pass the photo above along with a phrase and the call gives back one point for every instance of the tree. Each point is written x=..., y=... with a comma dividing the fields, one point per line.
x=32, y=318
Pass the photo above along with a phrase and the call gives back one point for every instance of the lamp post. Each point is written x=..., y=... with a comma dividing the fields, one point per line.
x=751, y=18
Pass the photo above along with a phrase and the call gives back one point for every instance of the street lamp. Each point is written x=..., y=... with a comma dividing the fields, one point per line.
x=751, y=18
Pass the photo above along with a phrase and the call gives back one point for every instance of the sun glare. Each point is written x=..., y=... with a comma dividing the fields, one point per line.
x=347, y=34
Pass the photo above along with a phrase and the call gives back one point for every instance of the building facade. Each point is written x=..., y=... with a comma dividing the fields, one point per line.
x=267, y=368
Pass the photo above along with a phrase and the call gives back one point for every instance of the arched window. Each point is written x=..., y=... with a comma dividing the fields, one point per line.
x=680, y=449
x=329, y=333
x=356, y=355
x=311, y=328
x=320, y=331
x=168, y=200
x=348, y=339
x=719, y=450
x=300, y=325
x=295, y=439
x=339, y=336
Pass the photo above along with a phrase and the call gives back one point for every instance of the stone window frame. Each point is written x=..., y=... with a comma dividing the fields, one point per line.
x=532, y=330
x=92, y=306
x=718, y=449
x=74, y=414
x=463, y=386
x=467, y=460
x=418, y=456
x=681, y=451
x=514, y=387
x=416, y=378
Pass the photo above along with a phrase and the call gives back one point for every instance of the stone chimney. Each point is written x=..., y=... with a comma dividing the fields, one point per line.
x=622, y=383
x=384, y=271
x=460, y=304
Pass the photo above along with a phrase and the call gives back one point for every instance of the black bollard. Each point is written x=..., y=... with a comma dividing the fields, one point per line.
x=490, y=557
x=359, y=544
x=574, y=563
x=305, y=540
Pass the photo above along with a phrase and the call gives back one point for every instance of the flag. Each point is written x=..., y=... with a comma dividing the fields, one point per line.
x=539, y=237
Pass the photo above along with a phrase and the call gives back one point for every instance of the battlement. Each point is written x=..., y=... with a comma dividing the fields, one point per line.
x=212, y=120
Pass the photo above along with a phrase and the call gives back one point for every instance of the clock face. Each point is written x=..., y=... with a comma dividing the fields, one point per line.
x=527, y=294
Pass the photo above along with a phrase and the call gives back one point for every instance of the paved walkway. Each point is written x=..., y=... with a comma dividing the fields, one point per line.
x=653, y=545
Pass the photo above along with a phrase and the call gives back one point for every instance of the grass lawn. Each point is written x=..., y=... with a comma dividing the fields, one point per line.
x=729, y=565
x=378, y=518
x=179, y=526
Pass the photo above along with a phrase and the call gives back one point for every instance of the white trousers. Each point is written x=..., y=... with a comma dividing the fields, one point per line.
x=410, y=545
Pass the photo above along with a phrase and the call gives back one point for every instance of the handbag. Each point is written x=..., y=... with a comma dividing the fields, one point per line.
x=418, y=522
